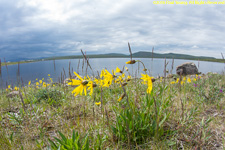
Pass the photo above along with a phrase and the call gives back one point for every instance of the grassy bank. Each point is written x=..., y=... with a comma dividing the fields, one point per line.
x=20, y=62
x=117, y=112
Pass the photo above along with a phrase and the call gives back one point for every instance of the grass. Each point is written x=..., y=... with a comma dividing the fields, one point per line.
x=187, y=115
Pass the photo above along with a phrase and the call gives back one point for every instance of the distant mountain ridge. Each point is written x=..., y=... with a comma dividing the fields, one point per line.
x=140, y=54
x=144, y=54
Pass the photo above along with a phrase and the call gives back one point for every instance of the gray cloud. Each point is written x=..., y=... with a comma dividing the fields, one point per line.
x=34, y=28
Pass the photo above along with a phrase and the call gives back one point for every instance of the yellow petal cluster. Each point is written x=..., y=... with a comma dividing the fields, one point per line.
x=82, y=85
x=147, y=80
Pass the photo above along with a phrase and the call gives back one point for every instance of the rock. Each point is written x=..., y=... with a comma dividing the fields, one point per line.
x=12, y=94
x=188, y=68
x=170, y=76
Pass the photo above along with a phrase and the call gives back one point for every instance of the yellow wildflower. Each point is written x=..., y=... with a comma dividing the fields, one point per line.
x=91, y=85
x=9, y=86
x=128, y=78
x=189, y=80
x=131, y=62
x=97, y=103
x=120, y=78
x=44, y=84
x=108, y=78
x=99, y=82
x=40, y=81
x=82, y=85
x=37, y=83
x=49, y=75
x=121, y=97
x=29, y=82
x=118, y=70
x=102, y=73
x=198, y=77
x=173, y=82
x=16, y=88
x=147, y=80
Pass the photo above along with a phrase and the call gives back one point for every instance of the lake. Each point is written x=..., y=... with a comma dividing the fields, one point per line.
x=59, y=68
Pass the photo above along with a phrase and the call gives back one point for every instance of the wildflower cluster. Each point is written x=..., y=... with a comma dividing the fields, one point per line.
x=40, y=83
x=147, y=80
x=186, y=80
x=10, y=89
x=105, y=80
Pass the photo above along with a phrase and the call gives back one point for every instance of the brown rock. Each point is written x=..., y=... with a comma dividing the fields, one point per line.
x=170, y=76
x=188, y=68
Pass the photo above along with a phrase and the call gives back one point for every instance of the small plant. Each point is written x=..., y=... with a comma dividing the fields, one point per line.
x=4, y=141
x=75, y=143
x=136, y=125
x=52, y=97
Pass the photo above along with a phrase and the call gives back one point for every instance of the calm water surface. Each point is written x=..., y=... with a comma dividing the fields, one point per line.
x=39, y=70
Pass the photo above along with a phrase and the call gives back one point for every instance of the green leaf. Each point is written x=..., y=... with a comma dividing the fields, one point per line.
x=61, y=142
x=73, y=137
x=53, y=145
x=162, y=121
x=63, y=137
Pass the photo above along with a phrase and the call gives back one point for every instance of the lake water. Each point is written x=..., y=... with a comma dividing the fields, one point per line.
x=39, y=70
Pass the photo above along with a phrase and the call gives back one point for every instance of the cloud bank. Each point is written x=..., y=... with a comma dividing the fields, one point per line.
x=40, y=28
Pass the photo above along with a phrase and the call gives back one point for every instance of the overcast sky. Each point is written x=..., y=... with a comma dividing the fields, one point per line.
x=43, y=28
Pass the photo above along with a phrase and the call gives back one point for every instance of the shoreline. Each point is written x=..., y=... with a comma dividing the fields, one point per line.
x=48, y=59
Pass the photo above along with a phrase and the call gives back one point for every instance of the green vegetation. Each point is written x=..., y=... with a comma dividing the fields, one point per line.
x=115, y=111
x=21, y=62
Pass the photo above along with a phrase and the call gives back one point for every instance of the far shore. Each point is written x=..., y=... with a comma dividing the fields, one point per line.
x=80, y=57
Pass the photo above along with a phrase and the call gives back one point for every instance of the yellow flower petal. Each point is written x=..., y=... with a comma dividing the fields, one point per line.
x=119, y=99
x=118, y=70
x=85, y=90
x=78, y=76
x=77, y=90
x=97, y=103
x=189, y=80
x=16, y=88
x=75, y=82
